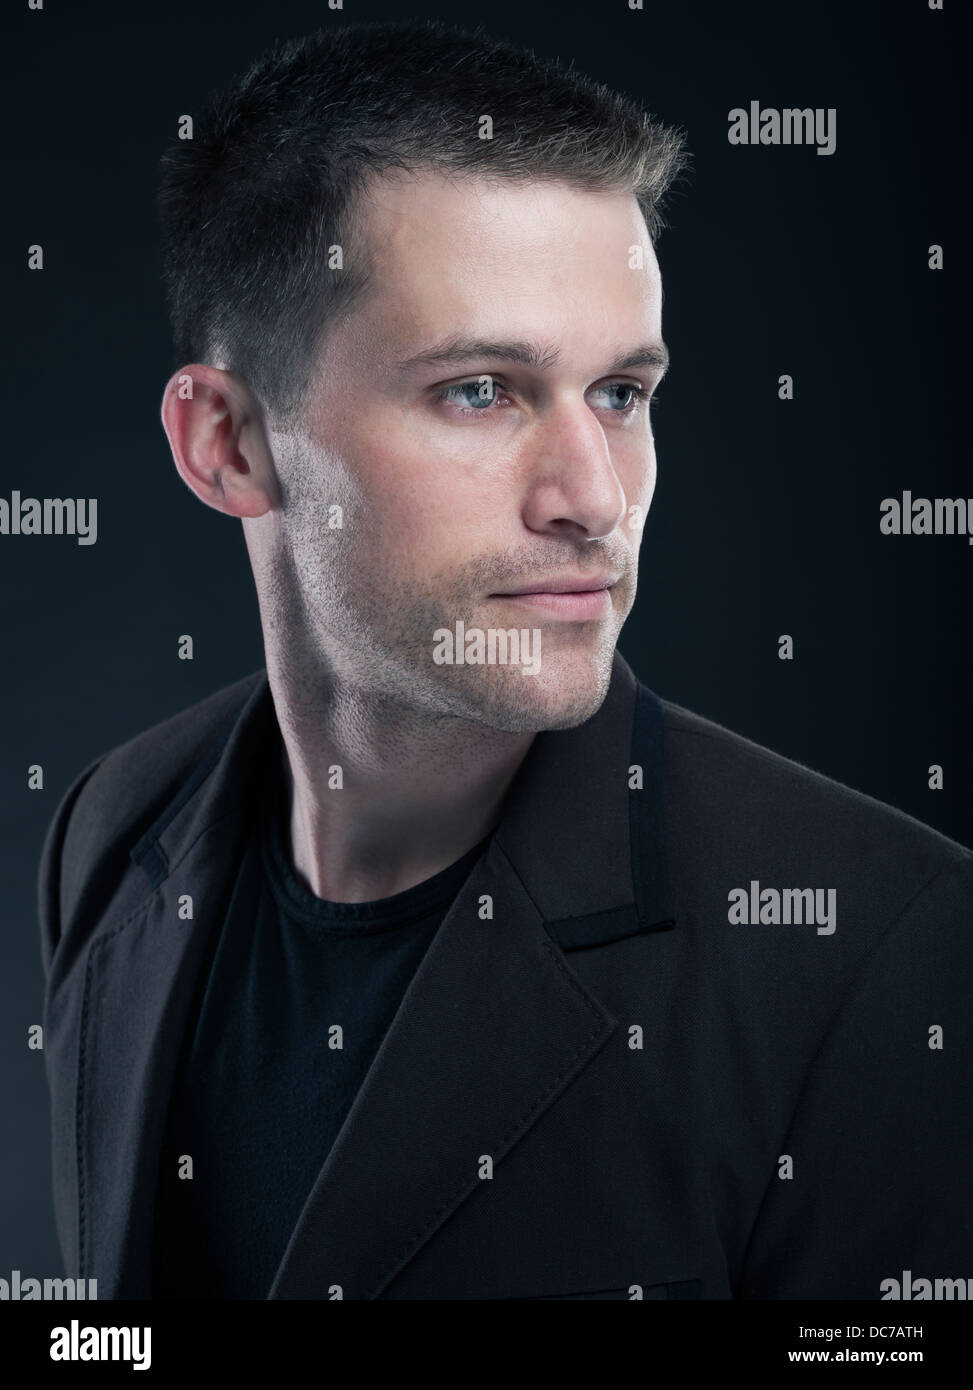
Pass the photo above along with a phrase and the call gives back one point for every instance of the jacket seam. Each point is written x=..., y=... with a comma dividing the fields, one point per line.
x=80, y=1104
x=51, y=874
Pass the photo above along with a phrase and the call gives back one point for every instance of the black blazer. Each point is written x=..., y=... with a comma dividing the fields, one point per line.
x=608, y=1089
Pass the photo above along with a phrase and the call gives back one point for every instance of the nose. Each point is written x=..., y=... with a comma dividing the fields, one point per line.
x=573, y=487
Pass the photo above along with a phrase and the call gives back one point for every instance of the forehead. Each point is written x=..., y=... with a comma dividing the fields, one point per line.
x=505, y=259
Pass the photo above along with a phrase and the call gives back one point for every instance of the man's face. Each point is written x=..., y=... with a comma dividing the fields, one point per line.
x=466, y=480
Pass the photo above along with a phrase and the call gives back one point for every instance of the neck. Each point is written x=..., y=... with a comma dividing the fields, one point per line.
x=415, y=791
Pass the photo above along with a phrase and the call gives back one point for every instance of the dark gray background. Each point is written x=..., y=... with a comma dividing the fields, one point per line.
x=765, y=518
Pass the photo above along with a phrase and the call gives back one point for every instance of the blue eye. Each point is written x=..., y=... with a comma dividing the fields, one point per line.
x=478, y=396
x=638, y=392
x=483, y=392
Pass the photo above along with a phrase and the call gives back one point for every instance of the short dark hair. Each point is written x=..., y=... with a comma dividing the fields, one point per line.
x=278, y=160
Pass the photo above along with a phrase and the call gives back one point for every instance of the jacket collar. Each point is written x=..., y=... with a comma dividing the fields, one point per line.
x=577, y=860
x=583, y=825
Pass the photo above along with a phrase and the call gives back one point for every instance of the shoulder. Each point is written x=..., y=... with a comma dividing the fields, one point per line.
x=117, y=797
x=750, y=810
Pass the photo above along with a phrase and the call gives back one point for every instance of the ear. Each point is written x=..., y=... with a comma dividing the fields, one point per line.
x=216, y=433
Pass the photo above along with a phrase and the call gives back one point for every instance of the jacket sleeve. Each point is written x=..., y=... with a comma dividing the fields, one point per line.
x=50, y=873
x=881, y=1139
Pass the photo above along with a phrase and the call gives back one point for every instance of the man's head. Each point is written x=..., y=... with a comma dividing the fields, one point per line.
x=448, y=410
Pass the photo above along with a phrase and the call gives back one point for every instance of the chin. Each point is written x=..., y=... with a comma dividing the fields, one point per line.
x=560, y=696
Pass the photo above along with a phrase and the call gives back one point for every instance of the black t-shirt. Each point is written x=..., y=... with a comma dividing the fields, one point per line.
x=263, y=1086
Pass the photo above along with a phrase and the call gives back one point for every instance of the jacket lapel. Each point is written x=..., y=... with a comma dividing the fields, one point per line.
x=489, y=1034
x=495, y=1026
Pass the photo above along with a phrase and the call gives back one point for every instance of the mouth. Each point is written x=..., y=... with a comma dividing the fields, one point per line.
x=578, y=599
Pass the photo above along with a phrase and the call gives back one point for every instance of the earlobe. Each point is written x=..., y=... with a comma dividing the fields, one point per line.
x=246, y=491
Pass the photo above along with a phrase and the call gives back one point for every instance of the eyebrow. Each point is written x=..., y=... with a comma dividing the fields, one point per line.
x=458, y=348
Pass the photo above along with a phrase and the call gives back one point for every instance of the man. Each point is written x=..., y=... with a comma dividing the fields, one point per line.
x=443, y=959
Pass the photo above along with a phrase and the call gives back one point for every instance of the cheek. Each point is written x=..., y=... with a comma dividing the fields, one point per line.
x=423, y=500
x=407, y=520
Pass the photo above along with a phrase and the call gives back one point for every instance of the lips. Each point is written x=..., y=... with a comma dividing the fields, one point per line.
x=587, y=584
x=568, y=604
